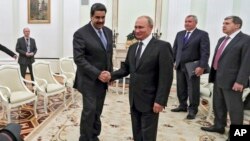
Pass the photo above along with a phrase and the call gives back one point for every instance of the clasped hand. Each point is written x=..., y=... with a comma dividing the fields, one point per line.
x=28, y=54
x=105, y=76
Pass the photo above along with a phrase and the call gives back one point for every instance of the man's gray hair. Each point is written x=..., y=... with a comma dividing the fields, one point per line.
x=149, y=19
x=194, y=17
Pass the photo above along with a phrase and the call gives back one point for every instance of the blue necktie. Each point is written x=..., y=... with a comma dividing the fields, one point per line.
x=186, y=37
x=103, y=39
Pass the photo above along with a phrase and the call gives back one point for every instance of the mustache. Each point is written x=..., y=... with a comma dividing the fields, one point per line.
x=100, y=23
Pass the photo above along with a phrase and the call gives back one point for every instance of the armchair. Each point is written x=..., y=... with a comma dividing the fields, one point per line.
x=206, y=92
x=245, y=94
x=13, y=91
x=46, y=84
x=68, y=69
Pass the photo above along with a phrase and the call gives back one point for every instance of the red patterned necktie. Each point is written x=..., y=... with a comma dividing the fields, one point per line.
x=219, y=52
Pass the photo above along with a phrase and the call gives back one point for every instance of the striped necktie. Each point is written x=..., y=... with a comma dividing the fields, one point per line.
x=138, y=54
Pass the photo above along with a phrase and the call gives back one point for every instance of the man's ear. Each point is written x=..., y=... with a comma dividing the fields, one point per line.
x=238, y=26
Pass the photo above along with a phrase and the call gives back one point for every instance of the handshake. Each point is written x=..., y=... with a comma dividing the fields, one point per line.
x=105, y=76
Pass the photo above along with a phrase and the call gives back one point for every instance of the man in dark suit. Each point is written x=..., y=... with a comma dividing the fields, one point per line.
x=229, y=72
x=92, y=48
x=150, y=65
x=190, y=45
x=26, y=47
x=7, y=51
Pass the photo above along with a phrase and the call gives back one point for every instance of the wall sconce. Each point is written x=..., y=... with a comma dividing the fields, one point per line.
x=157, y=34
x=115, y=35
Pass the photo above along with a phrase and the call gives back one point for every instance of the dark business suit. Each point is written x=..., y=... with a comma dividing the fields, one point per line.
x=7, y=51
x=196, y=48
x=233, y=66
x=23, y=60
x=150, y=82
x=91, y=58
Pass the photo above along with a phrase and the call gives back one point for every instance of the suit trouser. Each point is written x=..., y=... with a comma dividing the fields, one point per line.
x=23, y=68
x=90, y=125
x=144, y=125
x=227, y=100
x=188, y=88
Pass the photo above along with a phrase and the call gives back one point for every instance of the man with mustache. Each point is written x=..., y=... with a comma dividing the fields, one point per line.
x=92, y=48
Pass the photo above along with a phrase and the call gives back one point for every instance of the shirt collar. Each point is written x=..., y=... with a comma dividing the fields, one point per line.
x=234, y=34
x=147, y=40
x=191, y=31
x=96, y=30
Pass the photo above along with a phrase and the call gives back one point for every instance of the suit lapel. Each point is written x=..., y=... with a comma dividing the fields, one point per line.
x=132, y=55
x=94, y=34
x=182, y=39
x=107, y=38
x=146, y=52
x=192, y=37
x=231, y=44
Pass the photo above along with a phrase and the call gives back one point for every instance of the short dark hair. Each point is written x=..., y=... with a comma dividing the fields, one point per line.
x=236, y=20
x=97, y=7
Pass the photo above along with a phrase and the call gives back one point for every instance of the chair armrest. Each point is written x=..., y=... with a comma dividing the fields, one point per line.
x=28, y=81
x=209, y=87
x=39, y=84
x=5, y=93
x=69, y=74
x=246, y=92
x=37, y=87
x=61, y=75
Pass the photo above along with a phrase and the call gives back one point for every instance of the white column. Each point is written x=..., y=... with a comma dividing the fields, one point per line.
x=71, y=22
x=177, y=11
x=7, y=24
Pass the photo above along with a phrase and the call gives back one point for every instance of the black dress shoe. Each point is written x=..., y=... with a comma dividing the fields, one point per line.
x=213, y=129
x=191, y=116
x=179, y=109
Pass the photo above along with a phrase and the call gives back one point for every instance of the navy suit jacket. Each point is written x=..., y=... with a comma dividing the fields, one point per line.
x=233, y=65
x=196, y=48
x=151, y=80
x=91, y=58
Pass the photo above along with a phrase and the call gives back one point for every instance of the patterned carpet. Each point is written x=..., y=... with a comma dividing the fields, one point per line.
x=25, y=117
x=63, y=124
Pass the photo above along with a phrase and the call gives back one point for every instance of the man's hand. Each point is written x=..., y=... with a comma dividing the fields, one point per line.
x=237, y=87
x=15, y=57
x=104, y=76
x=157, y=108
x=29, y=54
x=199, y=71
